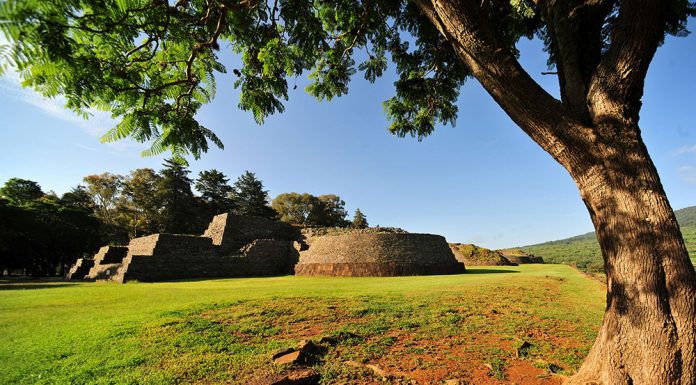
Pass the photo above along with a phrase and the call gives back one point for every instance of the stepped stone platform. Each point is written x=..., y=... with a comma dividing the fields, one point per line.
x=472, y=255
x=374, y=253
x=520, y=257
x=232, y=246
x=80, y=269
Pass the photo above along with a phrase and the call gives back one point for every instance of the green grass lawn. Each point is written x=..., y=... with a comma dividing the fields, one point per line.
x=224, y=331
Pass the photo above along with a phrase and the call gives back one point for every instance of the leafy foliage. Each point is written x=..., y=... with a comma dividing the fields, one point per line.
x=176, y=198
x=43, y=235
x=251, y=198
x=153, y=63
x=359, y=220
x=215, y=191
x=21, y=191
x=139, y=204
x=307, y=209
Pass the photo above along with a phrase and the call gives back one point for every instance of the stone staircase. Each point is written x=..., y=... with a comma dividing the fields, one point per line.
x=107, y=261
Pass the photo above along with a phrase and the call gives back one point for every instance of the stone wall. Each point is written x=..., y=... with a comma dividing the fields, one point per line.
x=233, y=246
x=106, y=262
x=231, y=232
x=111, y=254
x=163, y=257
x=80, y=269
x=378, y=254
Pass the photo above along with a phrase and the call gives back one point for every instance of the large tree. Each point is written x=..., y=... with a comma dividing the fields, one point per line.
x=152, y=63
x=141, y=201
x=216, y=192
x=250, y=197
x=21, y=191
x=178, y=213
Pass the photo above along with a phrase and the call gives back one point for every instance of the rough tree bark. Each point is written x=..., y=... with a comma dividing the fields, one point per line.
x=649, y=331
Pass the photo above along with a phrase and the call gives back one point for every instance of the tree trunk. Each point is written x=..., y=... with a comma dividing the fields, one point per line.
x=649, y=331
x=648, y=335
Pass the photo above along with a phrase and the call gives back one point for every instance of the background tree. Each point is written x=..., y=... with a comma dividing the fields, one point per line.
x=307, y=209
x=333, y=211
x=216, y=192
x=250, y=197
x=298, y=209
x=153, y=64
x=78, y=197
x=104, y=189
x=43, y=236
x=178, y=213
x=359, y=220
x=140, y=202
x=21, y=191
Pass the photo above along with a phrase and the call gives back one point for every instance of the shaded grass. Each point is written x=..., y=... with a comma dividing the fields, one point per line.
x=223, y=331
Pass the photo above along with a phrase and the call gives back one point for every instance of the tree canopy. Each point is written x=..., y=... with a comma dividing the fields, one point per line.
x=21, y=191
x=250, y=197
x=307, y=209
x=153, y=63
x=359, y=220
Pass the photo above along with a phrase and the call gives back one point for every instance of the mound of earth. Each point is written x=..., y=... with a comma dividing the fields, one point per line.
x=520, y=256
x=473, y=255
x=376, y=252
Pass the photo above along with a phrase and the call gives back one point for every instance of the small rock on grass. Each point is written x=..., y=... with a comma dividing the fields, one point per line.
x=281, y=353
x=290, y=358
x=303, y=376
x=376, y=370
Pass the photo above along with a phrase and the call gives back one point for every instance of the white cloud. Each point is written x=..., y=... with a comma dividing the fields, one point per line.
x=686, y=150
x=96, y=125
x=11, y=85
x=688, y=173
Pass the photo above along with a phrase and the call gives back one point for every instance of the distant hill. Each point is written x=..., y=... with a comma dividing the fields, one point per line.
x=583, y=250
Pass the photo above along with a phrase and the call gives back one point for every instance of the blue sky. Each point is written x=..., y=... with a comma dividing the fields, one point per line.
x=482, y=181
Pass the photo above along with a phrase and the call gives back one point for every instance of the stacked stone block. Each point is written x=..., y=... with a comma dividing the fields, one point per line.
x=80, y=269
x=378, y=254
x=232, y=246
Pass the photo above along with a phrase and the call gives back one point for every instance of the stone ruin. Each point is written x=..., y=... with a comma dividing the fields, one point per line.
x=238, y=246
x=472, y=255
x=375, y=252
x=232, y=246
x=520, y=257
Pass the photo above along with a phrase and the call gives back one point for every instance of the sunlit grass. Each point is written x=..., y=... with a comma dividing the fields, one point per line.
x=223, y=331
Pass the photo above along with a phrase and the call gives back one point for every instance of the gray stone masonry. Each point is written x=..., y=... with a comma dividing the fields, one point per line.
x=232, y=246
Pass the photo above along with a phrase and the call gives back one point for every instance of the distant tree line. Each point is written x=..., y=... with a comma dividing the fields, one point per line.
x=42, y=233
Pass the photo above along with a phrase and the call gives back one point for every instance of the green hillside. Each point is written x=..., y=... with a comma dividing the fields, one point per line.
x=583, y=250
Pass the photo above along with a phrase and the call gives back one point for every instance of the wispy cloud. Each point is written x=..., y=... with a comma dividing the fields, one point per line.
x=96, y=125
x=11, y=85
x=686, y=150
x=688, y=173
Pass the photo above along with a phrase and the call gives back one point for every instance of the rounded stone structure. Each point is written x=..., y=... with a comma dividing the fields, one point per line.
x=378, y=255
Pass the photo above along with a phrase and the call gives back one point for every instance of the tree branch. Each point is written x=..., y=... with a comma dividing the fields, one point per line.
x=575, y=32
x=616, y=86
x=540, y=115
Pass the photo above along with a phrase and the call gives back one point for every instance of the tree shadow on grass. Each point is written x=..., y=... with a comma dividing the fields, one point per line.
x=19, y=286
x=489, y=271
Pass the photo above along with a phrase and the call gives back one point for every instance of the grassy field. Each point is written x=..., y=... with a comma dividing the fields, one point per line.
x=417, y=329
